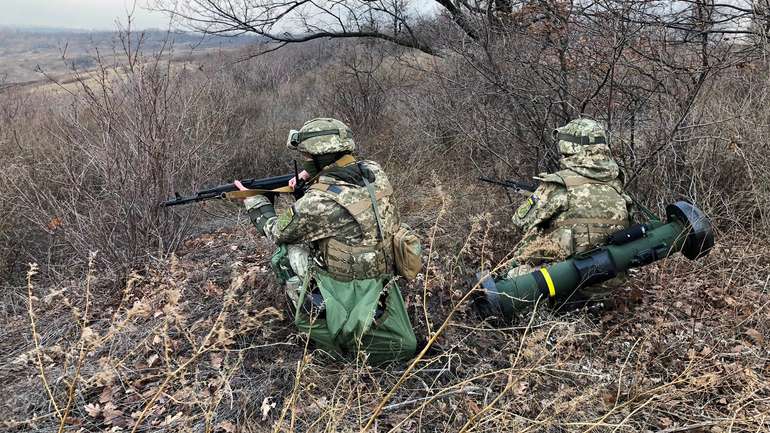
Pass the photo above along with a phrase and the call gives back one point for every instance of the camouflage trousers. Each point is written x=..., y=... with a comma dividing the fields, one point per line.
x=299, y=258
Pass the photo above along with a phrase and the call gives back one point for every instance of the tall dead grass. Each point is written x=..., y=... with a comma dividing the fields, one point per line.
x=192, y=349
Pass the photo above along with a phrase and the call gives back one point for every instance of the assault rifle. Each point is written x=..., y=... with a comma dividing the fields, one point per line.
x=269, y=186
x=525, y=188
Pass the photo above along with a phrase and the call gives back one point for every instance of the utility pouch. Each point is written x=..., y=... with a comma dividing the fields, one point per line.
x=280, y=264
x=348, y=262
x=407, y=252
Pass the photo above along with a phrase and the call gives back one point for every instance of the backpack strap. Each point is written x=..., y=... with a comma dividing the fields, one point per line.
x=373, y=199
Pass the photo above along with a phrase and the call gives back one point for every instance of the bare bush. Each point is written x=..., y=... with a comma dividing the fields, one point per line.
x=130, y=136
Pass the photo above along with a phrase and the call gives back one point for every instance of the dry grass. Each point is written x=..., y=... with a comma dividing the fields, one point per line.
x=197, y=340
x=197, y=343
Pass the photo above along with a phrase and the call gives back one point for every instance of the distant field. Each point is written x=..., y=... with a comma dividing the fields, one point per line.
x=32, y=55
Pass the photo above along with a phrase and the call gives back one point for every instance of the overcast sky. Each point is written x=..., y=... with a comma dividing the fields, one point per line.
x=80, y=14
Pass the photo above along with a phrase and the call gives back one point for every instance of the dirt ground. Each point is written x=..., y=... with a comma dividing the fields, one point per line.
x=201, y=342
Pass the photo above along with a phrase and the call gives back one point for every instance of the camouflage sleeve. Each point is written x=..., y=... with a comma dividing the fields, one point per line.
x=311, y=218
x=548, y=200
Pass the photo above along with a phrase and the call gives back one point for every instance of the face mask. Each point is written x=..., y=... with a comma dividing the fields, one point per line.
x=319, y=162
x=310, y=167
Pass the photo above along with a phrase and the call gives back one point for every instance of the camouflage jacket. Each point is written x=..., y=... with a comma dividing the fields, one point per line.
x=336, y=219
x=574, y=209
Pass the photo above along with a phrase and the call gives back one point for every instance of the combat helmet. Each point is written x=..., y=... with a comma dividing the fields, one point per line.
x=577, y=133
x=322, y=136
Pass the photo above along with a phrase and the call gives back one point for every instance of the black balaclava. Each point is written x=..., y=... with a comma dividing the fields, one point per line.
x=318, y=162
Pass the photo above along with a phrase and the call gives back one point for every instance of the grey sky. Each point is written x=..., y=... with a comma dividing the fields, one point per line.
x=81, y=14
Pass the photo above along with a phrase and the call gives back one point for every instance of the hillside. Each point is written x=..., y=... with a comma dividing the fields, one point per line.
x=117, y=314
x=29, y=55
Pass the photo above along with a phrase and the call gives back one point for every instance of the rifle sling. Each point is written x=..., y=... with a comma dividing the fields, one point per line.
x=240, y=195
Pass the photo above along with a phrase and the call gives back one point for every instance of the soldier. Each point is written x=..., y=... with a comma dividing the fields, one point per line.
x=574, y=209
x=335, y=254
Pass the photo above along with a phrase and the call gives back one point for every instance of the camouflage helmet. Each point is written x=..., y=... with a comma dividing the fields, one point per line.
x=578, y=133
x=322, y=136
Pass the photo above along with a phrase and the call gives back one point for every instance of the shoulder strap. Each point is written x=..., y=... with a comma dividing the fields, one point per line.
x=571, y=182
x=373, y=198
x=355, y=208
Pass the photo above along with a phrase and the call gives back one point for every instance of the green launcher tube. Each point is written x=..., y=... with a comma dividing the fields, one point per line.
x=687, y=230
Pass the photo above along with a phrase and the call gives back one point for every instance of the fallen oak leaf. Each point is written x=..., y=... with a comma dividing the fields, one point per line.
x=111, y=413
x=755, y=335
x=106, y=395
x=172, y=419
x=54, y=224
x=93, y=410
x=216, y=360
x=50, y=297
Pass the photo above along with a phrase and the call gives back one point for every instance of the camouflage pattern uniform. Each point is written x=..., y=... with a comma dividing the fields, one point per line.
x=322, y=219
x=574, y=209
x=339, y=249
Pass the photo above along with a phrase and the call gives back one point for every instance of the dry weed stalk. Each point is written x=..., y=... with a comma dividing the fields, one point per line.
x=444, y=197
x=84, y=340
x=205, y=346
x=511, y=382
x=431, y=340
x=33, y=269
x=301, y=365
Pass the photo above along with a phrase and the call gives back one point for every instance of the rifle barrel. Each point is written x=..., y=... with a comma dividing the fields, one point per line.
x=219, y=191
x=515, y=185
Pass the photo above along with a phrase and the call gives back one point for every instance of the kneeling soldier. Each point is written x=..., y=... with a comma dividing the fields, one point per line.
x=574, y=209
x=335, y=248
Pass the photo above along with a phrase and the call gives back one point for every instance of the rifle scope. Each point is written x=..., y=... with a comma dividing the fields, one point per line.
x=687, y=230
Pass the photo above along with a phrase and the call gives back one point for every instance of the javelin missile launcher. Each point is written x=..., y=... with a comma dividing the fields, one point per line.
x=686, y=230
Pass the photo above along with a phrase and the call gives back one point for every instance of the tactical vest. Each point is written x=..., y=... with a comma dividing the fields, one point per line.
x=372, y=256
x=595, y=209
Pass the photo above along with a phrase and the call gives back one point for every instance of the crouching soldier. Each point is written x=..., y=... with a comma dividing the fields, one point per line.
x=574, y=209
x=335, y=248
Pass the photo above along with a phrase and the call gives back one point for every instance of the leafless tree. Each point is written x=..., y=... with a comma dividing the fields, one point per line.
x=295, y=21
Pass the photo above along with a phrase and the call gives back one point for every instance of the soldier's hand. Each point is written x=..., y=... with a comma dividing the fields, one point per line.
x=239, y=185
x=304, y=175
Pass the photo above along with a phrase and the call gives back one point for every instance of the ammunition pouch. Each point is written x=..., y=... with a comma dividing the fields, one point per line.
x=589, y=232
x=357, y=262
